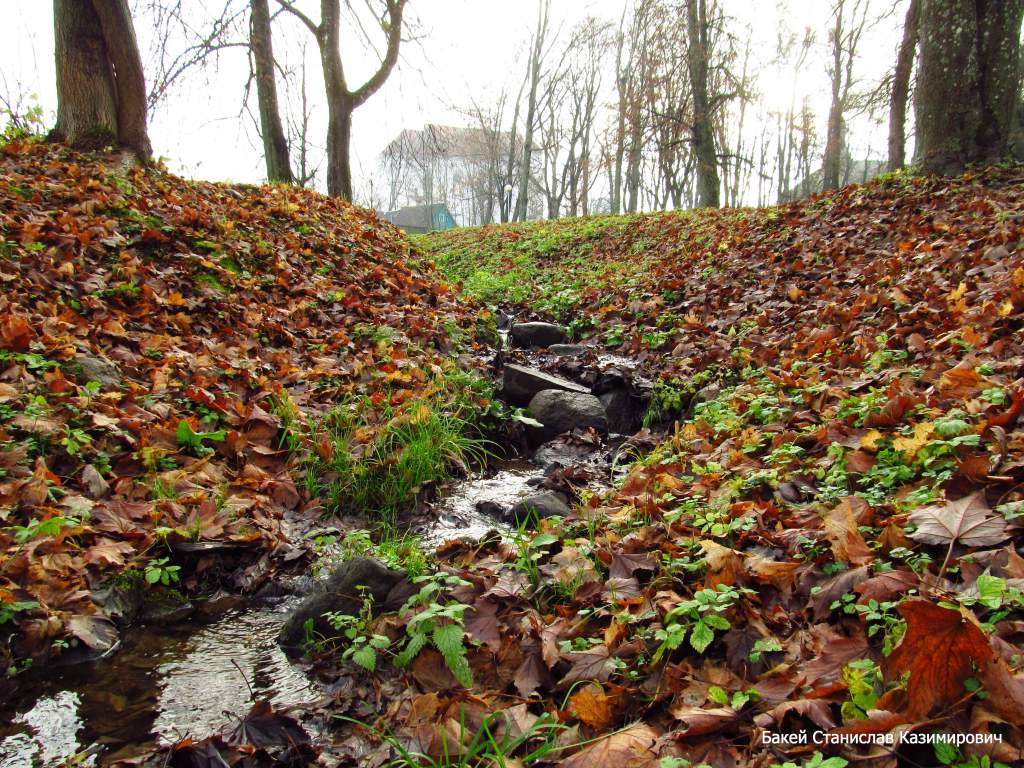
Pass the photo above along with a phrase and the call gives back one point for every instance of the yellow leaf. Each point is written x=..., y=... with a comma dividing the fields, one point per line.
x=911, y=444
x=870, y=440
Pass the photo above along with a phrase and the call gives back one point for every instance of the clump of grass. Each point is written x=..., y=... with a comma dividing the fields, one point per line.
x=378, y=459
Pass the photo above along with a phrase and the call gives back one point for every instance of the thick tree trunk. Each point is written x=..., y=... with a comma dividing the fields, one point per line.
x=702, y=134
x=101, y=90
x=339, y=140
x=901, y=88
x=129, y=79
x=86, y=96
x=967, y=81
x=275, y=144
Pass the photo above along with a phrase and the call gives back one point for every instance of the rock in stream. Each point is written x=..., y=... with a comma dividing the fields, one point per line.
x=339, y=593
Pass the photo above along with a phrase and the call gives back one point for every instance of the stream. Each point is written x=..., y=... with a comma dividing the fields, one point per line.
x=167, y=682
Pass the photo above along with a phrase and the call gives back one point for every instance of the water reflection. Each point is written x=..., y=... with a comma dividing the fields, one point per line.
x=168, y=682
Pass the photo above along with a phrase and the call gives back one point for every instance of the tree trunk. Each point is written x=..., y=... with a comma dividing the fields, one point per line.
x=536, y=54
x=702, y=135
x=901, y=88
x=342, y=102
x=967, y=81
x=834, y=130
x=275, y=144
x=101, y=89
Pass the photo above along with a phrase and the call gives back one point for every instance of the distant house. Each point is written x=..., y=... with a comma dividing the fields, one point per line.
x=417, y=219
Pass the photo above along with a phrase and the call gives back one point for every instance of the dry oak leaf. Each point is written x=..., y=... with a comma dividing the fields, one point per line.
x=968, y=521
x=632, y=747
x=940, y=649
x=592, y=706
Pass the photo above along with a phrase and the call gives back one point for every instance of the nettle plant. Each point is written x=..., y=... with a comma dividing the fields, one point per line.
x=698, y=619
x=365, y=645
x=436, y=623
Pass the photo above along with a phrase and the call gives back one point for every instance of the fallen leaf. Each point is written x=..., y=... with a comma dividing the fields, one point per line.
x=97, y=632
x=590, y=705
x=588, y=665
x=629, y=748
x=940, y=649
x=848, y=544
x=967, y=521
x=699, y=722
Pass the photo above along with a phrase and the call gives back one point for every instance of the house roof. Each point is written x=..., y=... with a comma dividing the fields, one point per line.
x=416, y=215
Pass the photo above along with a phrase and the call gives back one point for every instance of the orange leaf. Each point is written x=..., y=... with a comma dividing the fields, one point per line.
x=591, y=706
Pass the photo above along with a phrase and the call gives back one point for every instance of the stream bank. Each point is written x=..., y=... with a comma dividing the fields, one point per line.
x=168, y=682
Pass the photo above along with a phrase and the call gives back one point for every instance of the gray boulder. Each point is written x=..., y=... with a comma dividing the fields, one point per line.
x=85, y=368
x=618, y=406
x=339, y=593
x=537, y=506
x=561, y=411
x=519, y=384
x=536, y=334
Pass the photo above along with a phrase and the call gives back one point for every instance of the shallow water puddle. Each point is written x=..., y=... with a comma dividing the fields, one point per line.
x=168, y=682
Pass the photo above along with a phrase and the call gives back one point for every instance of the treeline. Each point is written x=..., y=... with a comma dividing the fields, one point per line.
x=664, y=107
x=676, y=105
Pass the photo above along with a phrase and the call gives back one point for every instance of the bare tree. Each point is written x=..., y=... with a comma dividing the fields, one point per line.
x=901, y=88
x=849, y=23
x=101, y=88
x=568, y=111
x=341, y=100
x=534, y=63
x=702, y=135
x=185, y=41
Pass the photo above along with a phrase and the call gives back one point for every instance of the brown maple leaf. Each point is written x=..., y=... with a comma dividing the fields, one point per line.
x=967, y=521
x=940, y=649
x=630, y=748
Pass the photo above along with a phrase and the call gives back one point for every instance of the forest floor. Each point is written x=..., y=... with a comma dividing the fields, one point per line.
x=818, y=532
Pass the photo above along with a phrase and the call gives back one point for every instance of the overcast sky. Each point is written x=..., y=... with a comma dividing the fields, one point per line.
x=465, y=48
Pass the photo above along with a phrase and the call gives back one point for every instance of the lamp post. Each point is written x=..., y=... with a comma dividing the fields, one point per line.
x=508, y=202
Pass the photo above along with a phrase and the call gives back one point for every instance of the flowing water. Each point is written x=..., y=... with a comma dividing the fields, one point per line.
x=167, y=682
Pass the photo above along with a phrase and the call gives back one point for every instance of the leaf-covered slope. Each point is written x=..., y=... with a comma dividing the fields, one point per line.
x=908, y=257
x=829, y=537
x=157, y=338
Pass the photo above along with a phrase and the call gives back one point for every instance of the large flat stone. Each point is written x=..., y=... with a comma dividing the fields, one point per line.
x=519, y=384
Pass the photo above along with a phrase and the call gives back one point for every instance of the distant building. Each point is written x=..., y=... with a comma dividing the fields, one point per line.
x=417, y=219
